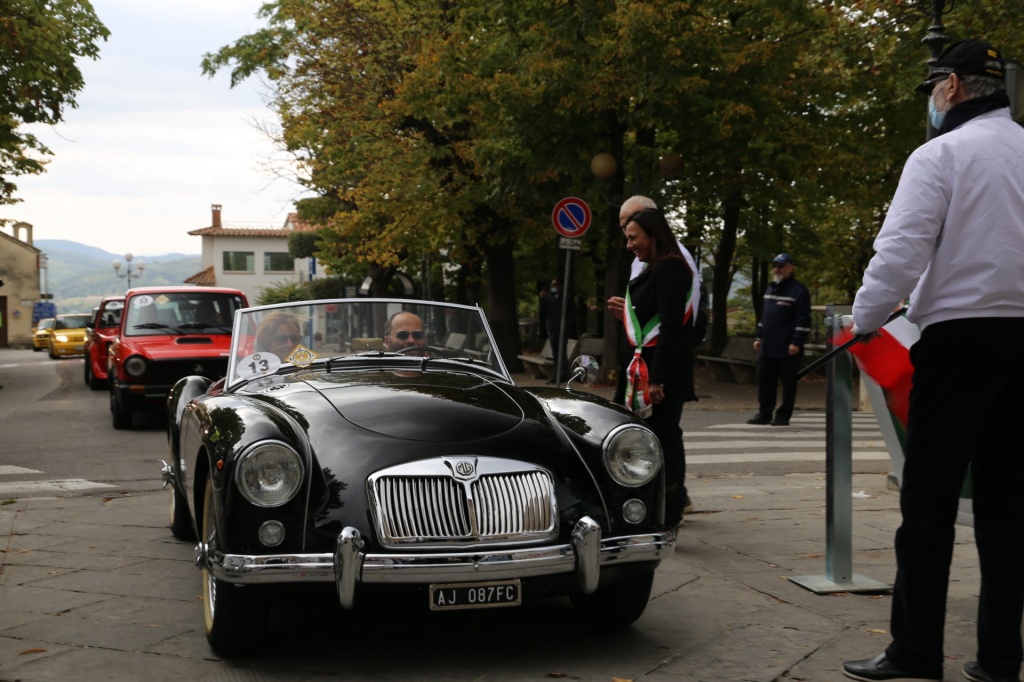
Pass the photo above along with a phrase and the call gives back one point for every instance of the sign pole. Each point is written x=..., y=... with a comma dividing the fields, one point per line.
x=562, y=340
x=571, y=218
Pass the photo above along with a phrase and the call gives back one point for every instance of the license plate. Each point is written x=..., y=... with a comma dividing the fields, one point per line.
x=475, y=595
x=79, y=347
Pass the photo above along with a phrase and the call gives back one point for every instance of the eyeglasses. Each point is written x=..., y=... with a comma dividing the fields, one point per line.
x=404, y=335
x=778, y=266
x=281, y=339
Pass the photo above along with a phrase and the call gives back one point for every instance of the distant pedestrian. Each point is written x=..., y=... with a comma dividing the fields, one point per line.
x=953, y=242
x=551, y=306
x=781, y=334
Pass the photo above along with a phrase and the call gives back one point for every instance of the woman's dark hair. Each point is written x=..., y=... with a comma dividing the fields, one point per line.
x=653, y=222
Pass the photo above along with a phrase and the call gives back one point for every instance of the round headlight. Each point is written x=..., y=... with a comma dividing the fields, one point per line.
x=269, y=475
x=135, y=366
x=632, y=455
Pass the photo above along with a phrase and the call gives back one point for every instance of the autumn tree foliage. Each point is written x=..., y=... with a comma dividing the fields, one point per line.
x=41, y=42
x=442, y=133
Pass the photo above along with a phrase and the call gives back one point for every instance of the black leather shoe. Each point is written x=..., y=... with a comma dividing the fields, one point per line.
x=780, y=422
x=975, y=673
x=881, y=668
x=758, y=419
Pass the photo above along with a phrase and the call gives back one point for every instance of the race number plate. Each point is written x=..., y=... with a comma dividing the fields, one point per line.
x=475, y=595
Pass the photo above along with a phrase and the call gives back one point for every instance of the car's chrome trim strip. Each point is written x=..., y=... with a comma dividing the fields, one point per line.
x=348, y=565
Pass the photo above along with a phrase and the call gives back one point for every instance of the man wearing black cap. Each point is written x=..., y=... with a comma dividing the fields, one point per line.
x=953, y=242
x=781, y=333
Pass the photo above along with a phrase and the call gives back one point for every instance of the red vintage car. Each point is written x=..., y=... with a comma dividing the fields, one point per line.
x=100, y=333
x=167, y=333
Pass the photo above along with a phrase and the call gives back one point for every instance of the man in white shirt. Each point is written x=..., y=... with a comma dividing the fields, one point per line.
x=953, y=242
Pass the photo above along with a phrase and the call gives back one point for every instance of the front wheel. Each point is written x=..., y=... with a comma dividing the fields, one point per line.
x=230, y=612
x=50, y=351
x=90, y=377
x=119, y=416
x=617, y=605
x=180, y=519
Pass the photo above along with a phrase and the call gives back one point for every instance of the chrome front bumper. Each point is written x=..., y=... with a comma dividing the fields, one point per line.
x=585, y=555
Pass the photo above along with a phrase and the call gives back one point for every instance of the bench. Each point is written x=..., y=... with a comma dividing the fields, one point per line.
x=738, y=361
x=590, y=346
x=543, y=366
x=363, y=344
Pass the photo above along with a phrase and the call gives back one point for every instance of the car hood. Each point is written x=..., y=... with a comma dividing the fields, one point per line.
x=422, y=407
x=172, y=347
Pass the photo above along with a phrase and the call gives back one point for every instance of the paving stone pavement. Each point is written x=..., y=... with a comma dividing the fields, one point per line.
x=95, y=588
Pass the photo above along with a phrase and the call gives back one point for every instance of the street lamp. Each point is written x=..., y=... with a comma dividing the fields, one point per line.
x=128, y=272
x=935, y=41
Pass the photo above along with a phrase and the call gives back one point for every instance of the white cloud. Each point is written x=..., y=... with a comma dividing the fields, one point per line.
x=154, y=142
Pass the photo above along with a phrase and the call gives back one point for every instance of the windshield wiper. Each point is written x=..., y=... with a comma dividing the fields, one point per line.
x=204, y=325
x=154, y=325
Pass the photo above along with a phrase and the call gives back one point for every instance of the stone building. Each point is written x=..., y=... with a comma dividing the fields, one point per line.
x=19, y=271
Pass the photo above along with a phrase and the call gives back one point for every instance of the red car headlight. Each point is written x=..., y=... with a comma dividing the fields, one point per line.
x=135, y=366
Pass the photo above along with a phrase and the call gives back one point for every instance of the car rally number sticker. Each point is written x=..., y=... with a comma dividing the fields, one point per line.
x=258, y=365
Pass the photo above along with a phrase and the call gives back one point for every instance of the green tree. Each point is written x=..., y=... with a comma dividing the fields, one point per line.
x=40, y=43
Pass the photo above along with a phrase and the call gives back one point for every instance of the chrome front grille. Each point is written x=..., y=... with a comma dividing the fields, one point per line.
x=459, y=501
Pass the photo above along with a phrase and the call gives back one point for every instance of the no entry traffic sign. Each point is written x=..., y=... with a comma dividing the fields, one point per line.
x=571, y=217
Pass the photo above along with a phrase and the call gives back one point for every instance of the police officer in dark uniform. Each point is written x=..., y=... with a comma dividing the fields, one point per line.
x=781, y=334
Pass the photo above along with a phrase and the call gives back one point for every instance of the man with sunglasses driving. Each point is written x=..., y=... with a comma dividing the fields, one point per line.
x=403, y=330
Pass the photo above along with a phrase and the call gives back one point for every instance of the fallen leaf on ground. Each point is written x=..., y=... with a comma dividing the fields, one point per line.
x=37, y=650
x=878, y=632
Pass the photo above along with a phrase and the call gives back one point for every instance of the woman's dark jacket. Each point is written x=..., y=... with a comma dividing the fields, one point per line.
x=661, y=289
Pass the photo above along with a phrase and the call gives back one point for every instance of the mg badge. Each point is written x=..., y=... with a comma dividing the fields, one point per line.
x=462, y=468
x=198, y=369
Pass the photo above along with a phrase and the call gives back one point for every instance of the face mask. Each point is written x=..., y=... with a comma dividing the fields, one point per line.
x=554, y=290
x=934, y=115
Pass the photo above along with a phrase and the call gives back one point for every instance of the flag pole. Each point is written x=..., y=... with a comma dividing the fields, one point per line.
x=855, y=340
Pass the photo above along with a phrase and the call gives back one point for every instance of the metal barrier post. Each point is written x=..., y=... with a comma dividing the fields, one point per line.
x=839, y=575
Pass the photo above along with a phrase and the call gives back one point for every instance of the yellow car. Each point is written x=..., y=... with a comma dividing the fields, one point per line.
x=67, y=338
x=41, y=334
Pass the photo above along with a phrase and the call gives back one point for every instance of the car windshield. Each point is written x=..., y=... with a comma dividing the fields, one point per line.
x=200, y=312
x=377, y=333
x=46, y=323
x=73, y=321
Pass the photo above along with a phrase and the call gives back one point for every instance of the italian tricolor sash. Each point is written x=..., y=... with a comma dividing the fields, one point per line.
x=638, y=393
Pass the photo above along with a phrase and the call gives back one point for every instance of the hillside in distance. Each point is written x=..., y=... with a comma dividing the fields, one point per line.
x=80, y=275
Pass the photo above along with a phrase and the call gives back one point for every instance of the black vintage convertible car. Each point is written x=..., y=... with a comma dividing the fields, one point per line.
x=374, y=444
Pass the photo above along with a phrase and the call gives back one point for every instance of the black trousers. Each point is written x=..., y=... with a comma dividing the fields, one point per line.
x=771, y=371
x=665, y=423
x=966, y=407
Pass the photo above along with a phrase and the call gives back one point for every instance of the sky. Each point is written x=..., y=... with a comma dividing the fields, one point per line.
x=154, y=142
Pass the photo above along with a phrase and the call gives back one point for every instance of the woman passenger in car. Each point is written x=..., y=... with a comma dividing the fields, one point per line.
x=278, y=333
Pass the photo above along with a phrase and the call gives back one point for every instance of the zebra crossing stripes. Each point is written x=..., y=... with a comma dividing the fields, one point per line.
x=34, y=487
x=802, y=441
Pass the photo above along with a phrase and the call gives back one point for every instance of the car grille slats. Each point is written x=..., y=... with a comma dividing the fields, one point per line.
x=443, y=510
x=422, y=508
x=169, y=371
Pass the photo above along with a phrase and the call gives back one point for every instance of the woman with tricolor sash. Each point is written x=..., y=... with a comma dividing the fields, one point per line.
x=656, y=313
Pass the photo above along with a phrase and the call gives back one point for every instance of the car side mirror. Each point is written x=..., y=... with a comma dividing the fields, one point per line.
x=584, y=370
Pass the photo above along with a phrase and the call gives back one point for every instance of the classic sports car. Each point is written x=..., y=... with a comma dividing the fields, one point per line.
x=100, y=333
x=67, y=337
x=379, y=444
x=41, y=334
x=167, y=333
